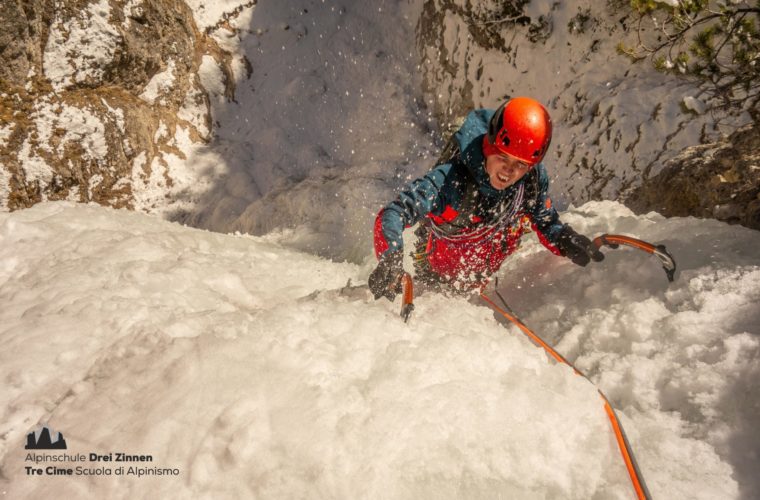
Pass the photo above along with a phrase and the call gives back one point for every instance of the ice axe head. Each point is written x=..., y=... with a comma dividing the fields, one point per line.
x=615, y=240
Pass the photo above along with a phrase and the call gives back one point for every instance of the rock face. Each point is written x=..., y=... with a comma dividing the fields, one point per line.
x=615, y=122
x=454, y=37
x=100, y=100
x=720, y=180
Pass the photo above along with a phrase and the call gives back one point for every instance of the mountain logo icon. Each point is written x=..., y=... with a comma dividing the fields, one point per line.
x=41, y=440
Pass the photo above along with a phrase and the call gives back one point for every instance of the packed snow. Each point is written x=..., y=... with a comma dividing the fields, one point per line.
x=249, y=369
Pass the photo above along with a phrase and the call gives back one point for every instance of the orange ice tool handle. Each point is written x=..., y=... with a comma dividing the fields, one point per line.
x=407, y=305
x=614, y=240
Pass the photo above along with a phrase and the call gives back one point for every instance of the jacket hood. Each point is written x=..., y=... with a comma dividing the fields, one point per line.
x=470, y=138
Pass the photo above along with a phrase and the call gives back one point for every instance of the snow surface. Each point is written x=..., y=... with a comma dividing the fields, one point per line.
x=131, y=8
x=77, y=50
x=5, y=188
x=58, y=127
x=694, y=104
x=34, y=167
x=194, y=110
x=76, y=126
x=240, y=363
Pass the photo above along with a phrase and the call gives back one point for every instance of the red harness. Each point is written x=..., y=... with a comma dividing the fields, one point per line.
x=468, y=262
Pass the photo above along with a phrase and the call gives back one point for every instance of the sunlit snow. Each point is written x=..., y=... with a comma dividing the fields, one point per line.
x=243, y=365
x=248, y=367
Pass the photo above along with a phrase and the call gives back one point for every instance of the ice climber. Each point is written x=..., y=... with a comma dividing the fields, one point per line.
x=474, y=206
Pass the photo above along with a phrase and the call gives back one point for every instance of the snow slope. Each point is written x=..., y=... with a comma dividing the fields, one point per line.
x=240, y=363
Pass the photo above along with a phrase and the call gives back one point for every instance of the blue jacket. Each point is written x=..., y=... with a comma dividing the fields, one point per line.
x=442, y=193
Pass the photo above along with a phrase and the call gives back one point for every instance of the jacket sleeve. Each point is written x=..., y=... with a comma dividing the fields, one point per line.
x=418, y=198
x=544, y=218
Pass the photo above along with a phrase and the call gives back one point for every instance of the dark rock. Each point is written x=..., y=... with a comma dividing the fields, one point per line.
x=720, y=180
x=23, y=27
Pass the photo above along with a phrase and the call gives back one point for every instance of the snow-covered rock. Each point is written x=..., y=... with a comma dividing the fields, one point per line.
x=84, y=88
x=718, y=180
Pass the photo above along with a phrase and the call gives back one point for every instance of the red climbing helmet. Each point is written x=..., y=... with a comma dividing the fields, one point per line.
x=522, y=128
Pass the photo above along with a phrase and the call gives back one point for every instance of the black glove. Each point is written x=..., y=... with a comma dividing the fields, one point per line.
x=577, y=247
x=385, y=280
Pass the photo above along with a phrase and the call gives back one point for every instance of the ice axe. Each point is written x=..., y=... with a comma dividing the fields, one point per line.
x=407, y=305
x=615, y=240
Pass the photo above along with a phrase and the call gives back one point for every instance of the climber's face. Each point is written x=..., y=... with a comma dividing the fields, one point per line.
x=504, y=170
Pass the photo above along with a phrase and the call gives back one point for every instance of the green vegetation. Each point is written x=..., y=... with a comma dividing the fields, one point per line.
x=715, y=42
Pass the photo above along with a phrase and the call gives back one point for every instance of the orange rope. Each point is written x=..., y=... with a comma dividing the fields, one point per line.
x=625, y=448
x=527, y=331
x=630, y=464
